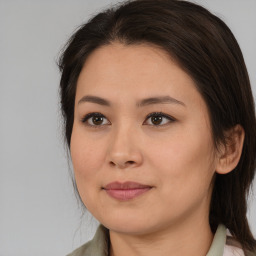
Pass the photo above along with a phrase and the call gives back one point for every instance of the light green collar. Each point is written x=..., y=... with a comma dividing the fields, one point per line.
x=218, y=243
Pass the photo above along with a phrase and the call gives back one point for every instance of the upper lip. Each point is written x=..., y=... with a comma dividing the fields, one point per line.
x=125, y=185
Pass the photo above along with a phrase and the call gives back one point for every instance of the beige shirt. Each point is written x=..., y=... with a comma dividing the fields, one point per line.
x=223, y=244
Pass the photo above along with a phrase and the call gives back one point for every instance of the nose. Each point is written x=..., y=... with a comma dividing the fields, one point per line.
x=123, y=150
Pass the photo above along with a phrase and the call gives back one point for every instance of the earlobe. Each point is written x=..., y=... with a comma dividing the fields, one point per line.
x=230, y=154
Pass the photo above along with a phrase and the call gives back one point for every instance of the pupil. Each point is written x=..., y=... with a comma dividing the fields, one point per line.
x=156, y=119
x=97, y=120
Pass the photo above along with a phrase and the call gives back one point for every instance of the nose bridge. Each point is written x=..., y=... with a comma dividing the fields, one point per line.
x=123, y=146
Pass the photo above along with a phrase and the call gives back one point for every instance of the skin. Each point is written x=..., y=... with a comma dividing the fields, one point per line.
x=176, y=158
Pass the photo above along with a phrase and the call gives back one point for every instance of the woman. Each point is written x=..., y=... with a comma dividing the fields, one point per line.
x=160, y=123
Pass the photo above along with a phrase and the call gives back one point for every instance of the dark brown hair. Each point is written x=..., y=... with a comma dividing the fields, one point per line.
x=206, y=49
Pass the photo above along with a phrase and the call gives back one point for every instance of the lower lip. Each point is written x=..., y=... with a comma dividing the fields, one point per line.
x=126, y=194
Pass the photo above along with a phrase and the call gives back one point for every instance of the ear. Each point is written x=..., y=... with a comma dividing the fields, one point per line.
x=230, y=153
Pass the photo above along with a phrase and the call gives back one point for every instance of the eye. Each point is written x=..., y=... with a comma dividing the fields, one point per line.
x=95, y=120
x=159, y=119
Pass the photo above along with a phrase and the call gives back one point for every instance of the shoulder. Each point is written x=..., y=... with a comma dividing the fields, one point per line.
x=234, y=248
x=82, y=251
x=98, y=246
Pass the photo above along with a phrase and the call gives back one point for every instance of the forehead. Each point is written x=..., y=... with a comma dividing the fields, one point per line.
x=134, y=63
x=121, y=72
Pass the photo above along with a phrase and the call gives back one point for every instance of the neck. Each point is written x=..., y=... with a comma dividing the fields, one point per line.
x=192, y=238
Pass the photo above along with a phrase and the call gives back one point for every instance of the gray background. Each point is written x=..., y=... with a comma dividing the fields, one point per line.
x=39, y=214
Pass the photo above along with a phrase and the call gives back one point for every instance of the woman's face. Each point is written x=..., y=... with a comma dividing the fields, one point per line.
x=138, y=174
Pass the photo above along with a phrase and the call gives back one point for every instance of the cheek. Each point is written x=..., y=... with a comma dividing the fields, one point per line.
x=184, y=170
x=87, y=159
x=185, y=160
x=87, y=156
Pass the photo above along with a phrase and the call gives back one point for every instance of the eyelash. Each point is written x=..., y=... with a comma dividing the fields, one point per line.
x=154, y=114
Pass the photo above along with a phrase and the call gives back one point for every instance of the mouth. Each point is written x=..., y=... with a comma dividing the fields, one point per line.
x=126, y=191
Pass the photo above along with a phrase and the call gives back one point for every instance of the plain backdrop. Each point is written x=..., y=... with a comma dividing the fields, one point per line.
x=39, y=214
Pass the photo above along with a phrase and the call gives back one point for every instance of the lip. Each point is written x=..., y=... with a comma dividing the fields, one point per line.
x=126, y=191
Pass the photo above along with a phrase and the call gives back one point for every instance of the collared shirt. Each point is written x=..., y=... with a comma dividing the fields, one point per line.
x=223, y=244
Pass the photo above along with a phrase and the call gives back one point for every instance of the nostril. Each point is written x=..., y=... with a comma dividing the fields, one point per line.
x=123, y=164
x=112, y=163
x=130, y=162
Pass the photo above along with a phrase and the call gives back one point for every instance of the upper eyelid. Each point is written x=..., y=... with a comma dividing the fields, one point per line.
x=160, y=114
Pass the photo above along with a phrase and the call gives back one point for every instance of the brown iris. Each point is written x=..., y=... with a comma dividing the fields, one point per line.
x=97, y=120
x=156, y=120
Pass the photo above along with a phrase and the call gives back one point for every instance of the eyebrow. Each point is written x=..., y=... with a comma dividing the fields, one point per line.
x=141, y=103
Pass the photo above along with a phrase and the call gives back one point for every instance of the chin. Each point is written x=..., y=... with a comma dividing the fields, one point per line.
x=132, y=226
